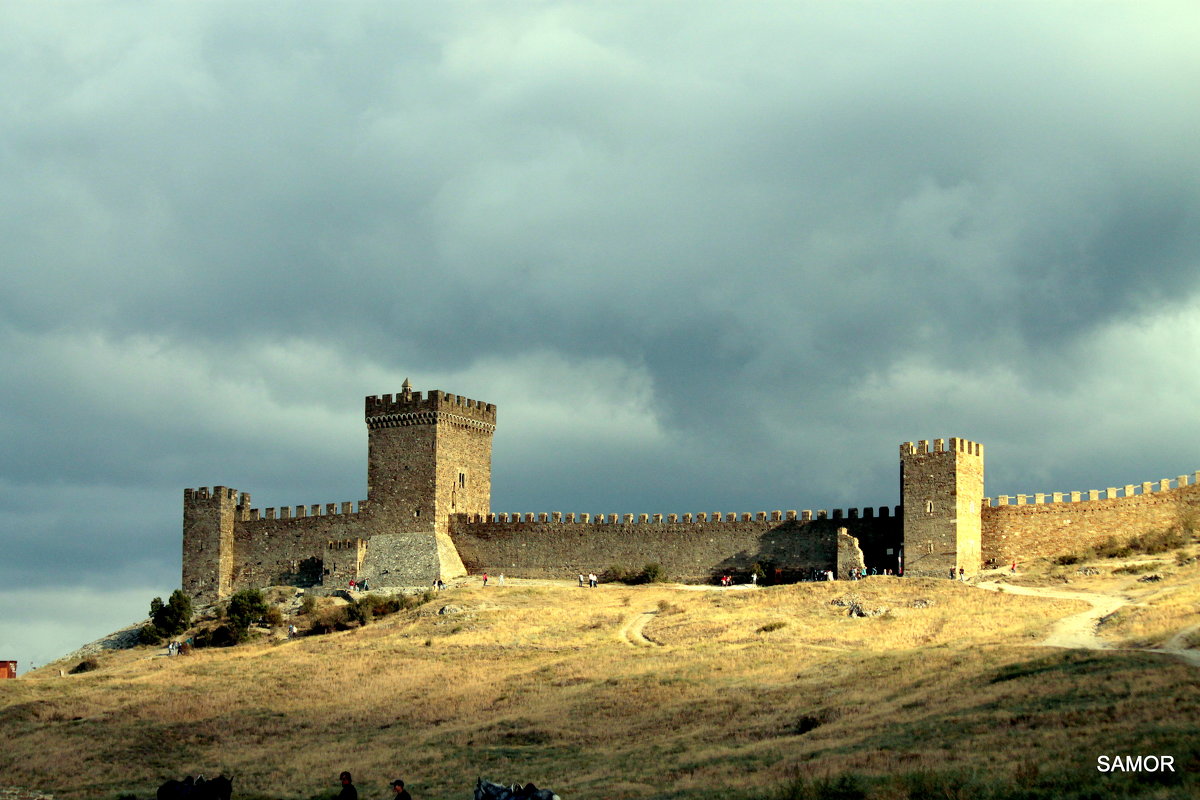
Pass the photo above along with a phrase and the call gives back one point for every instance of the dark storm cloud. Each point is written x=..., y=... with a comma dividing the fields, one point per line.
x=701, y=255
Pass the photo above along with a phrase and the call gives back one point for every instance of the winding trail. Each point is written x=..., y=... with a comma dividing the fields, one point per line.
x=631, y=632
x=1177, y=646
x=1078, y=631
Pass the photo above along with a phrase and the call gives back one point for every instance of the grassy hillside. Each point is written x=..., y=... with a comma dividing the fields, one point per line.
x=635, y=692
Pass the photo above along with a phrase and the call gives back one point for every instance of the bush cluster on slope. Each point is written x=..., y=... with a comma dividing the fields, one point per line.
x=167, y=619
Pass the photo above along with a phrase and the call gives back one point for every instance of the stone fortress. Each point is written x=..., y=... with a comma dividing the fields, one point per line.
x=427, y=515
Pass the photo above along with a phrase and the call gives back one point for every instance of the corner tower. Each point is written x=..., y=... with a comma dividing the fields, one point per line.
x=941, y=491
x=208, y=523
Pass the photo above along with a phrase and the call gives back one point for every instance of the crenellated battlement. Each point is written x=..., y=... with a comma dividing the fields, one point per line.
x=302, y=512
x=428, y=513
x=703, y=517
x=411, y=408
x=1145, y=488
x=216, y=493
x=952, y=445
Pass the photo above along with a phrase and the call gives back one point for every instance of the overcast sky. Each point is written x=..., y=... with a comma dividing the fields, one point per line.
x=701, y=255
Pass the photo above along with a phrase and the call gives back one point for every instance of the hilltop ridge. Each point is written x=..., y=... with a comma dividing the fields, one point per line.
x=657, y=690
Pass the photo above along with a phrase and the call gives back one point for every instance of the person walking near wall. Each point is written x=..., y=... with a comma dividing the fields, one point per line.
x=485, y=579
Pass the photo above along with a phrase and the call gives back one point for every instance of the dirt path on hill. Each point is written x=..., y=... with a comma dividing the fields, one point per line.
x=631, y=632
x=1177, y=646
x=1078, y=631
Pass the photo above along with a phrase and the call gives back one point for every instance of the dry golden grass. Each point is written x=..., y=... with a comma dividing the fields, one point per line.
x=1162, y=612
x=551, y=684
x=1158, y=610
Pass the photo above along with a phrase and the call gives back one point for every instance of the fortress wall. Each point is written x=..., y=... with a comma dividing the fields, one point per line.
x=1026, y=531
x=547, y=546
x=273, y=551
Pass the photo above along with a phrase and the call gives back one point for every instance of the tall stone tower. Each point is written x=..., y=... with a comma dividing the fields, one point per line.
x=208, y=523
x=941, y=491
x=428, y=458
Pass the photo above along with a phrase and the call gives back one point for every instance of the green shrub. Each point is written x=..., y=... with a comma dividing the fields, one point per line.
x=361, y=611
x=87, y=665
x=374, y=605
x=244, y=609
x=307, y=604
x=1113, y=548
x=618, y=572
x=357, y=614
x=176, y=616
x=1155, y=542
x=328, y=620
x=149, y=635
x=1068, y=558
x=167, y=619
x=1137, y=569
x=772, y=626
x=274, y=617
x=219, y=636
x=652, y=572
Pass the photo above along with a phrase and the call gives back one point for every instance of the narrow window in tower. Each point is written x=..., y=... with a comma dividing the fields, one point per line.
x=928, y=506
x=462, y=479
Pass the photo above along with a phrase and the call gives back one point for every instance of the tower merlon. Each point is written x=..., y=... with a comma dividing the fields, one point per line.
x=412, y=408
x=953, y=445
x=217, y=493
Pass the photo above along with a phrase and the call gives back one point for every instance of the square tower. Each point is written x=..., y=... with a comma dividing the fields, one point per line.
x=941, y=491
x=209, y=518
x=428, y=458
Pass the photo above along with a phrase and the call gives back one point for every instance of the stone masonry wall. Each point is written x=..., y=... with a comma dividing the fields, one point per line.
x=688, y=549
x=429, y=487
x=273, y=550
x=401, y=480
x=1024, y=531
x=405, y=559
x=464, y=470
